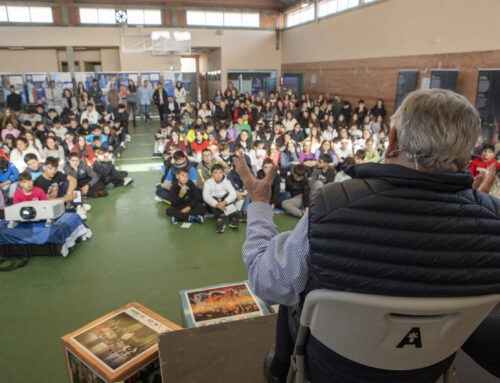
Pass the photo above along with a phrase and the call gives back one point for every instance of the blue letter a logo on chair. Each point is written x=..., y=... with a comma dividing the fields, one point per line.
x=413, y=338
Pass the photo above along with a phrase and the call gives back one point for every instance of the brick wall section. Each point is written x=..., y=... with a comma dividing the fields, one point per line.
x=181, y=18
x=268, y=19
x=377, y=77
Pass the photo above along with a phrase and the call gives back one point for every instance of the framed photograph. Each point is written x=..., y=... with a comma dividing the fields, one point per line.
x=221, y=303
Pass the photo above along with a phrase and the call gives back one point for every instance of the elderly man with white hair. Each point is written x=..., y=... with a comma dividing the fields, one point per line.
x=413, y=226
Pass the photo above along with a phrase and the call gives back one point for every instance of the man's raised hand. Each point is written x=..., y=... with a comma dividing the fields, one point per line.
x=258, y=190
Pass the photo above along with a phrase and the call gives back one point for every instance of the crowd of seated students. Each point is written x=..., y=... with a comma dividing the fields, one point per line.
x=311, y=141
x=67, y=156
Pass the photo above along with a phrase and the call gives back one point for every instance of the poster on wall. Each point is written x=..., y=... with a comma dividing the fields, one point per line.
x=444, y=79
x=271, y=85
x=169, y=81
x=63, y=80
x=124, y=77
x=290, y=85
x=257, y=85
x=407, y=83
x=153, y=79
x=488, y=106
x=37, y=83
x=105, y=79
x=9, y=79
x=85, y=78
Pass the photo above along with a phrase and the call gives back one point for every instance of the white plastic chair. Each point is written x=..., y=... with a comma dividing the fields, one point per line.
x=390, y=333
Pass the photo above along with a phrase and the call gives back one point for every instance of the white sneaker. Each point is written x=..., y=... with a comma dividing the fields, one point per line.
x=128, y=138
x=87, y=207
x=81, y=213
x=158, y=199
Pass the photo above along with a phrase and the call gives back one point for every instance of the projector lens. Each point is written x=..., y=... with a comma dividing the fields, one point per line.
x=27, y=212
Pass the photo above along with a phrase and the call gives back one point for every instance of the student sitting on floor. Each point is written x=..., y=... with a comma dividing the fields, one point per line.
x=107, y=172
x=27, y=191
x=34, y=166
x=97, y=132
x=276, y=185
x=186, y=203
x=219, y=194
x=323, y=173
x=179, y=161
x=257, y=155
x=87, y=179
x=204, y=168
x=161, y=138
x=198, y=145
x=8, y=179
x=60, y=186
x=224, y=157
x=297, y=192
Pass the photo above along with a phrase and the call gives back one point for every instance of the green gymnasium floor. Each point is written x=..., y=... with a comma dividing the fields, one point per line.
x=135, y=254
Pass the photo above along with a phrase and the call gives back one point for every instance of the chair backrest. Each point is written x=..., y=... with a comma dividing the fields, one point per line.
x=393, y=333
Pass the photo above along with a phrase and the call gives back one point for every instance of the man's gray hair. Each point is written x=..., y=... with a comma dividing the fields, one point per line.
x=438, y=129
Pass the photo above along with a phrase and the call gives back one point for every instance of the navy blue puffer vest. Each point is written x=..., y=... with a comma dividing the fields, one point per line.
x=395, y=231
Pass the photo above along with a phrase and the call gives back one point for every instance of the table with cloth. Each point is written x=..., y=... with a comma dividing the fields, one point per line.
x=64, y=231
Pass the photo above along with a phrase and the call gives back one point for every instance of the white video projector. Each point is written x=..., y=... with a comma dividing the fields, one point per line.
x=34, y=211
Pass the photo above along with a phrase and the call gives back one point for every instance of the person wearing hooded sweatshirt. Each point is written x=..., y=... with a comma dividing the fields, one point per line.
x=220, y=196
x=204, y=168
x=179, y=161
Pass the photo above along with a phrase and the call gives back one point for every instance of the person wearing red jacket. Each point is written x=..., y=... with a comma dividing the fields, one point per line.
x=240, y=111
x=481, y=164
x=199, y=143
x=2, y=154
x=85, y=151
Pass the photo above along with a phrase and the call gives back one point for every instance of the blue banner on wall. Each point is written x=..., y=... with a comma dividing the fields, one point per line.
x=169, y=81
x=36, y=84
x=63, y=80
x=85, y=78
x=105, y=79
x=153, y=79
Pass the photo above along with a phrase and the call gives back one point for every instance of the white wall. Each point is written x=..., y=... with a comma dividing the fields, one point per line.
x=240, y=49
x=397, y=28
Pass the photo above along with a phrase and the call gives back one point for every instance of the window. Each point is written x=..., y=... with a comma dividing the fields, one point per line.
x=26, y=14
x=19, y=14
x=232, y=19
x=251, y=20
x=227, y=19
x=135, y=16
x=143, y=17
x=188, y=64
x=88, y=16
x=3, y=14
x=195, y=18
x=41, y=14
x=152, y=17
x=300, y=16
x=214, y=18
x=330, y=7
x=106, y=16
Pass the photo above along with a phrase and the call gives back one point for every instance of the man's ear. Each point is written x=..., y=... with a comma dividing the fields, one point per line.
x=393, y=143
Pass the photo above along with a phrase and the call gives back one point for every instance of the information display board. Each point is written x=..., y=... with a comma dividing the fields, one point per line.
x=407, y=83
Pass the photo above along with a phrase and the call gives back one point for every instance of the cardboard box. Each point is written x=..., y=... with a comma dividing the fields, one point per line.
x=121, y=346
x=221, y=303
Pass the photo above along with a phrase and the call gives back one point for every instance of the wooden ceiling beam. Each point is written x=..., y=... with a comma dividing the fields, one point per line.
x=262, y=4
